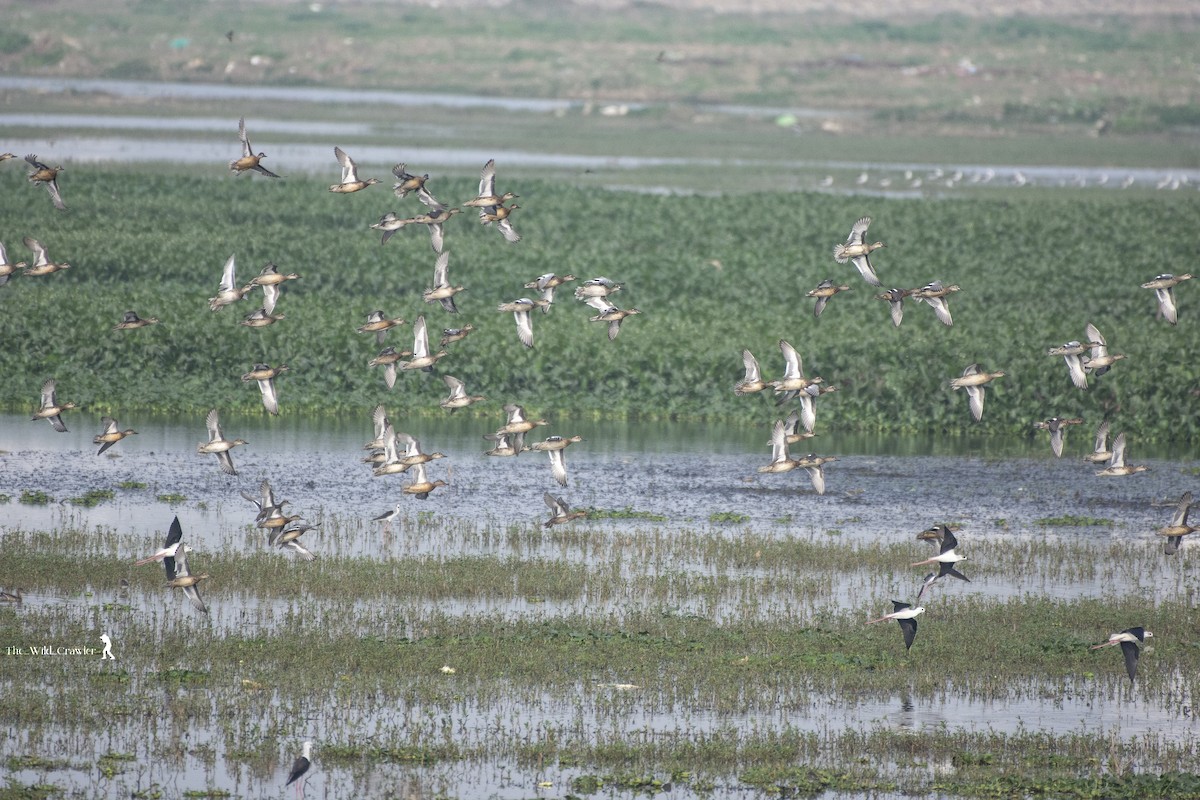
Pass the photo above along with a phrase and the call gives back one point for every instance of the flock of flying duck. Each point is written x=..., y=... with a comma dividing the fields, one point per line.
x=1089, y=357
x=394, y=452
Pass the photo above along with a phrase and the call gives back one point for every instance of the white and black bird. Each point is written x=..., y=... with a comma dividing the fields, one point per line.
x=946, y=554
x=1130, y=640
x=171, y=546
x=945, y=568
x=301, y=764
x=906, y=616
x=388, y=517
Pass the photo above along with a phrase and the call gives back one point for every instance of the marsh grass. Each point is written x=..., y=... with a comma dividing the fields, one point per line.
x=33, y=497
x=414, y=614
x=1074, y=521
x=679, y=361
x=92, y=498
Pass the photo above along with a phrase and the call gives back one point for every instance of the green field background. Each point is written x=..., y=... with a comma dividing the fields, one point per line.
x=711, y=276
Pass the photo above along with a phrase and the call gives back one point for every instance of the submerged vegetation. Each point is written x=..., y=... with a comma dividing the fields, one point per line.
x=708, y=284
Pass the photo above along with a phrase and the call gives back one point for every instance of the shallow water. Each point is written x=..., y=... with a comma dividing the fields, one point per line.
x=882, y=489
x=206, y=140
x=684, y=472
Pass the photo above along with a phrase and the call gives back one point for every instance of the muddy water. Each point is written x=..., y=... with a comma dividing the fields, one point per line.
x=878, y=490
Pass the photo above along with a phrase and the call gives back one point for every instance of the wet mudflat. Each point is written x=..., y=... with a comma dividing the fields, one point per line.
x=466, y=651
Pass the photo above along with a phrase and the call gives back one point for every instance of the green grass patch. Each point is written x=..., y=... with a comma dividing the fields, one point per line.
x=1074, y=521
x=38, y=791
x=728, y=516
x=628, y=512
x=132, y=485
x=111, y=763
x=92, y=498
x=35, y=498
x=170, y=498
x=35, y=762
